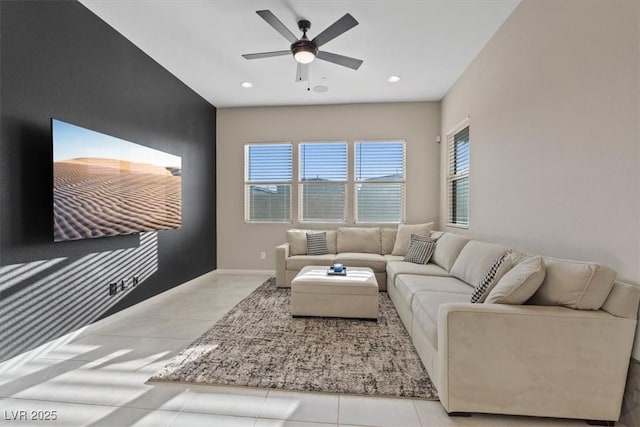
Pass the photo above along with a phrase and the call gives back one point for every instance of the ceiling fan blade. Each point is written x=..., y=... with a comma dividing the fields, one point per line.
x=272, y=20
x=303, y=73
x=342, y=25
x=266, y=54
x=345, y=61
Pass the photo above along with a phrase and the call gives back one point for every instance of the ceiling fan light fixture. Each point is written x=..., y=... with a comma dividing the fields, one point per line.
x=304, y=53
x=304, y=57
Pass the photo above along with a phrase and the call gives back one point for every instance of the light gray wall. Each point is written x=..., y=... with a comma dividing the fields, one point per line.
x=240, y=244
x=554, y=106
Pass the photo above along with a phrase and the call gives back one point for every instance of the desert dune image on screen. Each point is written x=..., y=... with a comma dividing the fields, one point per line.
x=105, y=186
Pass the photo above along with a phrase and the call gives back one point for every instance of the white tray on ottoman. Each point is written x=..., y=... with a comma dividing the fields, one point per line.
x=316, y=293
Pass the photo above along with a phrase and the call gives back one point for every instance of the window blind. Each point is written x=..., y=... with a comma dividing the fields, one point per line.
x=323, y=181
x=268, y=176
x=458, y=152
x=380, y=181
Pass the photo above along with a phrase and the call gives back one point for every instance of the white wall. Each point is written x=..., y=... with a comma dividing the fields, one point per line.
x=240, y=244
x=555, y=135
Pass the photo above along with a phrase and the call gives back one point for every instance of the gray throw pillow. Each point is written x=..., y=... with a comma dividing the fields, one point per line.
x=317, y=243
x=420, y=250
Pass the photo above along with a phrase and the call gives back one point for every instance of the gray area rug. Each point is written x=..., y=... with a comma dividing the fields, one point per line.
x=259, y=344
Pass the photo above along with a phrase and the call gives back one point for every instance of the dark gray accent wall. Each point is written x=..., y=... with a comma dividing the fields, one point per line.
x=57, y=59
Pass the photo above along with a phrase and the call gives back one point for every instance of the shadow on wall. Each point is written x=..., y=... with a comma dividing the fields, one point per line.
x=43, y=300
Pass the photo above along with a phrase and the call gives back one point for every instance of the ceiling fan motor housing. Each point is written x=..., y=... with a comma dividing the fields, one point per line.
x=304, y=46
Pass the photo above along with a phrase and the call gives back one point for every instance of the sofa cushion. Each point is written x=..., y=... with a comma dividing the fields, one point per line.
x=518, y=284
x=409, y=285
x=388, y=239
x=574, y=284
x=475, y=259
x=376, y=262
x=425, y=307
x=403, y=237
x=448, y=248
x=359, y=239
x=317, y=243
x=399, y=266
x=420, y=249
x=297, y=262
x=297, y=239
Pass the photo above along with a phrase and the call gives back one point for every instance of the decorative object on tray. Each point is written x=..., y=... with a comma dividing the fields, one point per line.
x=337, y=270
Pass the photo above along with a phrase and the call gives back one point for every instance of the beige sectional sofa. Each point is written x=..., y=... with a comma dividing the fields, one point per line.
x=564, y=353
x=369, y=247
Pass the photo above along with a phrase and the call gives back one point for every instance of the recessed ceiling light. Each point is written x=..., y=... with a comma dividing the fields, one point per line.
x=320, y=89
x=246, y=85
x=393, y=79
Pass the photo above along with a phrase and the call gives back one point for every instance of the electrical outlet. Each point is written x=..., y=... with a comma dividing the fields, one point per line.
x=135, y=280
x=263, y=255
x=113, y=289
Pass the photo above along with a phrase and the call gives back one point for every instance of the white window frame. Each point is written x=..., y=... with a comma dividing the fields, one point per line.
x=300, y=183
x=248, y=183
x=452, y=176
x=356, y=182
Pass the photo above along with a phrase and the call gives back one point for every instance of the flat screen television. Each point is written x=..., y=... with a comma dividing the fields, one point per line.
x=105, y=186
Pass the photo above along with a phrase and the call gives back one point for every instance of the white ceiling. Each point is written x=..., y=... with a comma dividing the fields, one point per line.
x=429, y=43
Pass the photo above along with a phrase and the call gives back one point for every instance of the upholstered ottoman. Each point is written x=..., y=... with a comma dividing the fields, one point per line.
x=315, y=293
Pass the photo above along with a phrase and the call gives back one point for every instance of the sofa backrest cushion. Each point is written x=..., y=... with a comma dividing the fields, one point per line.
x=447, y=249
x=359, y=239
x=519, y=283
x=475, y=259
x=403, y=237
x=297, y=240
x=574, y=284
x=388, y=239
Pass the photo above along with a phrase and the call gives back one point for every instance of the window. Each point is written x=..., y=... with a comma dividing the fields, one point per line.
x=268, y=175
x=323, y=181
x=379, y=181
x=458, y=175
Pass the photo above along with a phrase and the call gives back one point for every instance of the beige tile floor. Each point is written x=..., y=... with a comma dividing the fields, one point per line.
x=97, y=377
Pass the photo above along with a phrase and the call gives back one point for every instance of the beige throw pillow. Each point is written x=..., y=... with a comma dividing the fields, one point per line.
x=403, y=237
x=519, y=283
x=500, y=266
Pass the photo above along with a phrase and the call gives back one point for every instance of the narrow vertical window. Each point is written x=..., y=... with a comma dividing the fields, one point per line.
x=323, y=181
x=268, y=176
x=458, y=176
x=379, y=181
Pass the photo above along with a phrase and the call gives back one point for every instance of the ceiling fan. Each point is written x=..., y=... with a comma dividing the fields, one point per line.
x=304, y=50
